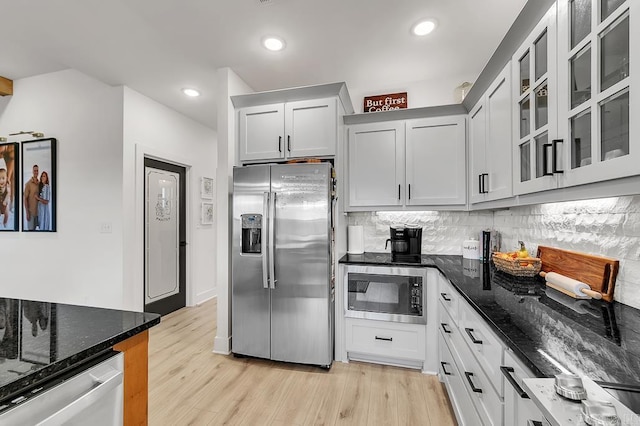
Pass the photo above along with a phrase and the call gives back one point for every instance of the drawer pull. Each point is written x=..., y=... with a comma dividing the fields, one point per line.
x=507, y=373
x=473, y=387
x=386, y=339
x=444, y=296
x=444, y=370
x=444, y=328
x=472, y=337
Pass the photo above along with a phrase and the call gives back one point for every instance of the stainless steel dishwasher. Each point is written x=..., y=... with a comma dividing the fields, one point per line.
x=88, y=395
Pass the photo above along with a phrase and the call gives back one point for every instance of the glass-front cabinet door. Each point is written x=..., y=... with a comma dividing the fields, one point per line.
x=536, y=151
x=598, y=54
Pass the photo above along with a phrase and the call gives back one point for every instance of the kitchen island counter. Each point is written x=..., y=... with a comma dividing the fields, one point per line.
x=545, y=329
x=41, y=340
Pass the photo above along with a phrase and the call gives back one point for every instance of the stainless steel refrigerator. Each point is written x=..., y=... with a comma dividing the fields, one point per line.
x=282, y=298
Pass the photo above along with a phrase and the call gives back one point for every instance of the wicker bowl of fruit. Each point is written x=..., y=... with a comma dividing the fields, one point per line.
x=517, y=263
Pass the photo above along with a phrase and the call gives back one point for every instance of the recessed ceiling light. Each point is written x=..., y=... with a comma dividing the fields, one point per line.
x=191, y=92
x=273, y=43
x=424, y=27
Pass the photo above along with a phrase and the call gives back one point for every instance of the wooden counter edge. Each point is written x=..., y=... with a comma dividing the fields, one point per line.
x=6, y=87
x=136, y=378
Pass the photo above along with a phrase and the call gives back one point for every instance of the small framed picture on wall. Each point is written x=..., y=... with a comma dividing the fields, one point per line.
x=9, y=187
x=206, y=217
x=206, y=188
x=39, y=185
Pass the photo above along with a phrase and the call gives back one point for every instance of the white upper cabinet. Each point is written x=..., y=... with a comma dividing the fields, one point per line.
x=307, y=128
x=536, y=150
x=419, y=162
x=261, y=132
x=490, y=142
x=311, y=127
x=598, y=51
x=376, y=164
x=435, y=161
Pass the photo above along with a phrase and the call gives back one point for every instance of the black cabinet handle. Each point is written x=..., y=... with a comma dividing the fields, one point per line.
x=480, y=184
x=398, y=191
x=289, y=143
x=409, y=191
x=444, y=328
x=444, y=296
x=554, y=167
x=473, y=387
x=484, y=187
x=507, y=373
x=472, y=337
x=279, y=143
x=386, y=339
x=444, y=370
x=545, y=160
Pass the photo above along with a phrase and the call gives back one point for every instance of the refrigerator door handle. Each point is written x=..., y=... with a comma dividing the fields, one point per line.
x=264, y=242
x=272, y=239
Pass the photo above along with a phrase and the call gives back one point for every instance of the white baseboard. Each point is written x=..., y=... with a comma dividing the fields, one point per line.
x=222, y=345
x=205, y=296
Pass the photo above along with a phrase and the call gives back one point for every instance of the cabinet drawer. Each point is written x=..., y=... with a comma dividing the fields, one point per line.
x=392, y=340
x=518, y=407
x=483, y=343
x=448, y=329
x=463, y=407
x=485, y=398
x=449, y=297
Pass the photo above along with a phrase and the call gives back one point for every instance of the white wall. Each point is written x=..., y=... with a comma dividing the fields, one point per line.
x=229, y=84
x=423, y=93
x=77, y=264
x=151, y=129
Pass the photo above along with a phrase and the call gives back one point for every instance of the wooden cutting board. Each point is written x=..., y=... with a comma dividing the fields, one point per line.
x=598, y=272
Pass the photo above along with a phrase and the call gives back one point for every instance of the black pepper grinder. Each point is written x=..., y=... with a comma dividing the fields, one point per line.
x=486, y=246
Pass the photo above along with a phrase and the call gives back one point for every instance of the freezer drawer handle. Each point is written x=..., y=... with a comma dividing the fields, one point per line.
x=472, y=337
x=444, y=370
x=507, y=373
x=444, y=328
x=444, y=296
x=473, y=387
x=386, y=339
x=105, y=384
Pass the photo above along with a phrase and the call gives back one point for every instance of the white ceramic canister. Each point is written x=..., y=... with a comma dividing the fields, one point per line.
x=355, y=239
x=471, y=249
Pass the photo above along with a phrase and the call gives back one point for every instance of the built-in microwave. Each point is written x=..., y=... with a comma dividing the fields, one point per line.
x=385, y=293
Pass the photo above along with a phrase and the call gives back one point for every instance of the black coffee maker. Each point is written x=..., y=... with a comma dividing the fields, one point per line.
x=406, y=243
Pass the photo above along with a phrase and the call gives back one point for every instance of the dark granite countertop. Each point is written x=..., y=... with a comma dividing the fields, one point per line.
x=545, y=329
x=40, y=340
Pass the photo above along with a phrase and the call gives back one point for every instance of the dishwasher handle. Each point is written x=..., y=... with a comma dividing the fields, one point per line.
x=104, y=385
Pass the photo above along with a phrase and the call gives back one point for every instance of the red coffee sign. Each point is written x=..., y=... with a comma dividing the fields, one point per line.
x=385, y=102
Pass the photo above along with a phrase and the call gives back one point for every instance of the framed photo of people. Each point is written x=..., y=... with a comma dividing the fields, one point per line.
x=9, y=187
x=39, y=185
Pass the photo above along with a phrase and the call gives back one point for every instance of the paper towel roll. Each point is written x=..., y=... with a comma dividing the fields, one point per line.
x=355, y=239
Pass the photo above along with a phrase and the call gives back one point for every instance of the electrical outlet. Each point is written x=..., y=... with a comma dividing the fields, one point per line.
x=105, y=228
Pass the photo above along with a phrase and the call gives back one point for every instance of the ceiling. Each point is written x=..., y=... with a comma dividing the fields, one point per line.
x=157, y=47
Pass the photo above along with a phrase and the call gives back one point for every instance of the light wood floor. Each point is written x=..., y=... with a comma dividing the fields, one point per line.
x=189, y=385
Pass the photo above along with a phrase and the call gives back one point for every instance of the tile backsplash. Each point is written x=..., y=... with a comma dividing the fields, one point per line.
x=607, y=227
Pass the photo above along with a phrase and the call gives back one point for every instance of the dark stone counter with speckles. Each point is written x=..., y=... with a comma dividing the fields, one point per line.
x=591, y=338
x=39, y=340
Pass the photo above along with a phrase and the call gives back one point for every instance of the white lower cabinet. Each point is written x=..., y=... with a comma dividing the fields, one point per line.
x=385, y=342
x=483, y=343
x=470, y=360
x=518, y=407
x=463, y=407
